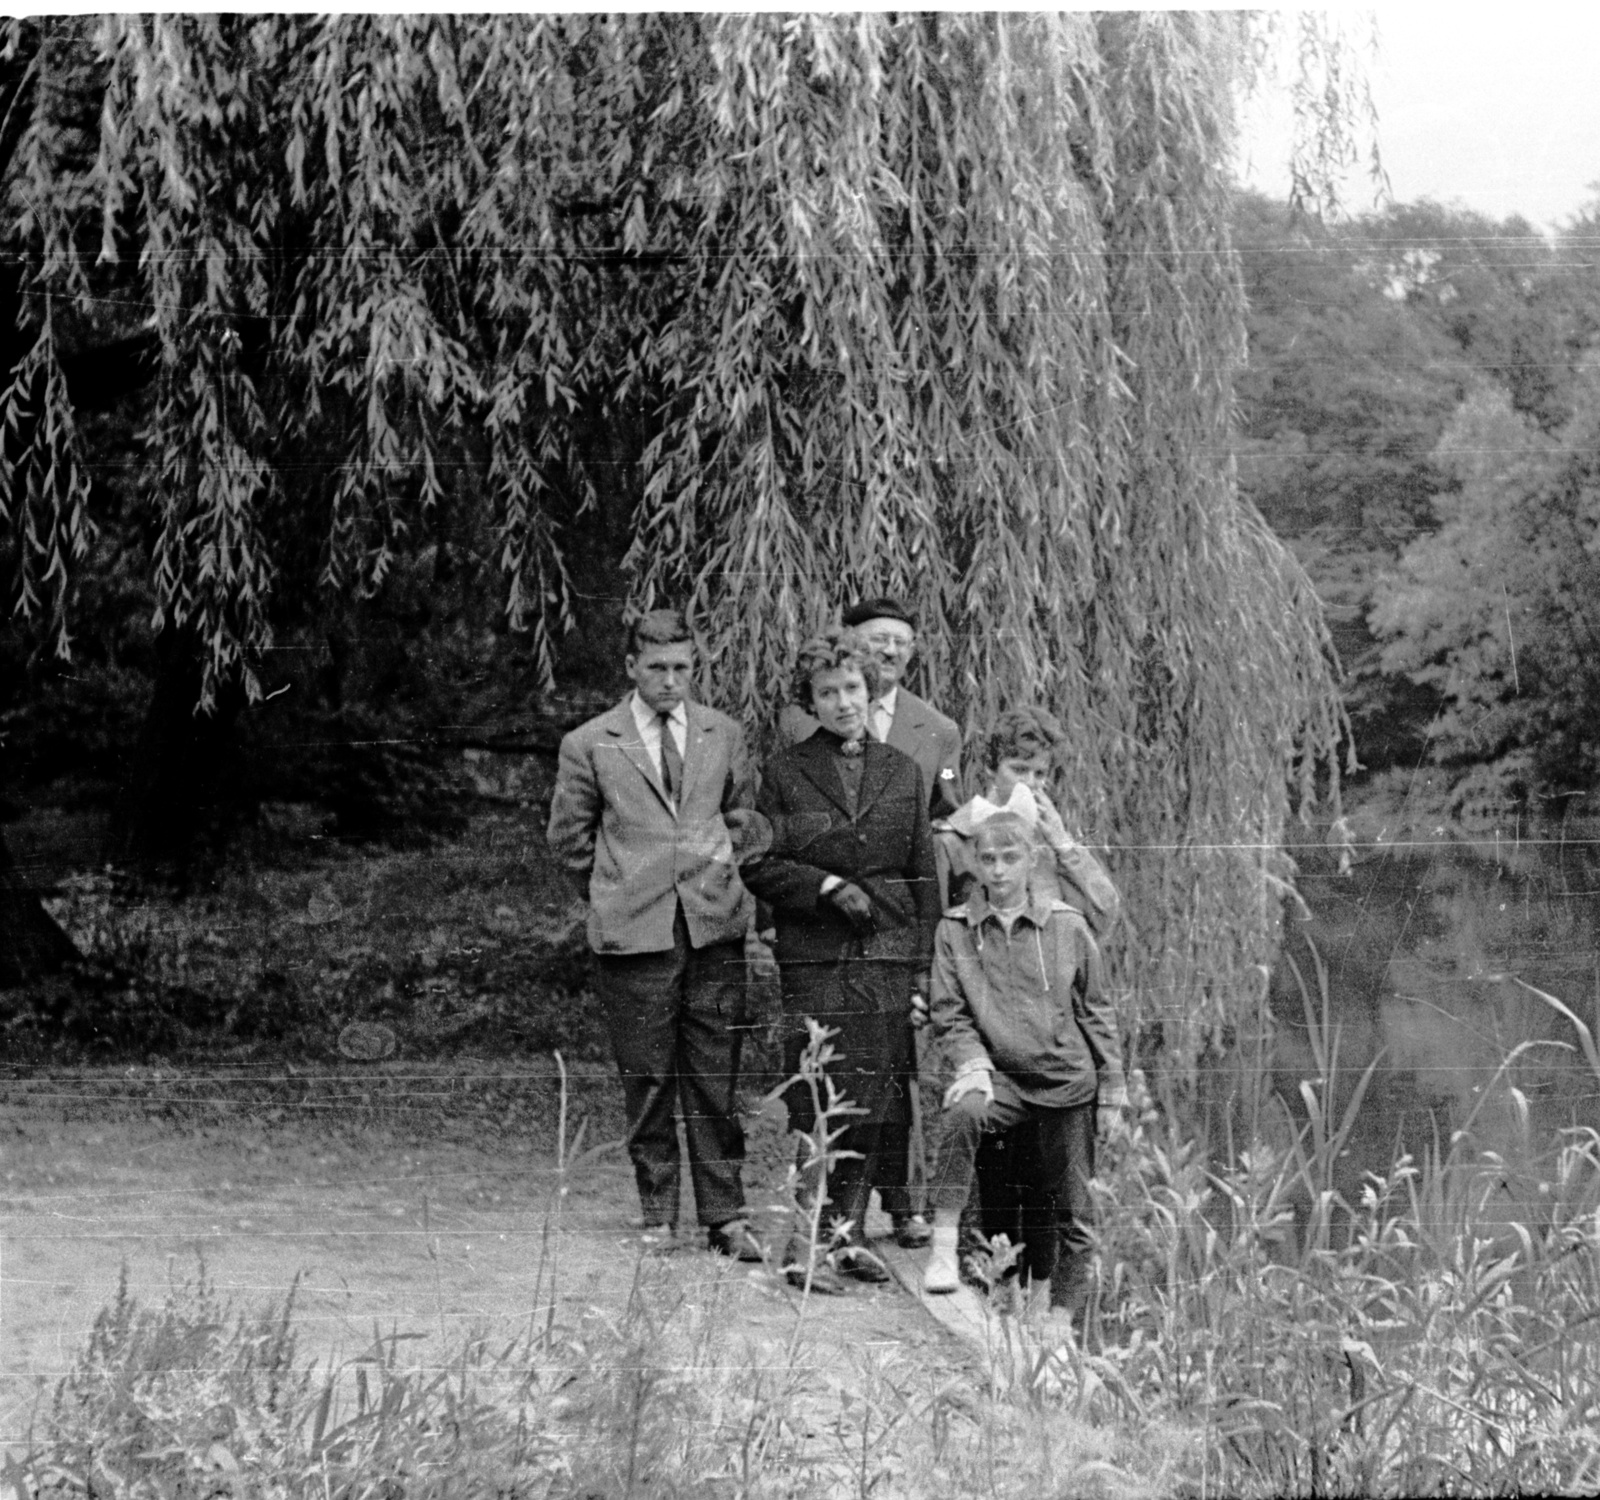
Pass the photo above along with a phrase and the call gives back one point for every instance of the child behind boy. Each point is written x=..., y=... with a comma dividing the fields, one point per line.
x=1023, y=750
x=1020, y=1008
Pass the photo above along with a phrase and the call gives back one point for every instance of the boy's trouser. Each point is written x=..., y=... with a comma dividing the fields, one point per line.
x=674, y=1021
x=1062, y=1216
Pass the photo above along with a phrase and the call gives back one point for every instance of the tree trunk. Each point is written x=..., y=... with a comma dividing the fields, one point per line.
x=31, y=945
x=183, y=779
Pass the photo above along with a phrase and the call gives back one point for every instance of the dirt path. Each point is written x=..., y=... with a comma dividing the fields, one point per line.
x=431, y=1228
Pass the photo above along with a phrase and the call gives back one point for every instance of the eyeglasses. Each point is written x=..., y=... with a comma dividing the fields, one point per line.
x=884, y=642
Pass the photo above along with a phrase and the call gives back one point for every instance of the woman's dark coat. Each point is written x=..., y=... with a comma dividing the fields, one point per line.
x=859, y=983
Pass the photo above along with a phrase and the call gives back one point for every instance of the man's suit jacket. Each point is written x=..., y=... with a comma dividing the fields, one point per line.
x=616, y=833
x=918, y=729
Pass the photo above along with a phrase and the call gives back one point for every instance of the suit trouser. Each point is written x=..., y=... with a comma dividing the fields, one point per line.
x=673, y=1018
x=1058, y=1220
x=891, y=1173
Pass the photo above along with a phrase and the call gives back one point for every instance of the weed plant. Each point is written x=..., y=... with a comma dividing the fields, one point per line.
x=671, y=1397
x=1254, y=1333
x=1408, y=1343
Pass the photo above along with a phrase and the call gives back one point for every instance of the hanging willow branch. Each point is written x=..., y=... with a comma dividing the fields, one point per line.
x=941, y=305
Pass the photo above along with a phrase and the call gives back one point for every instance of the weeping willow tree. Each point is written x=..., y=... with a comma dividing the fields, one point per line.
x=940, y=305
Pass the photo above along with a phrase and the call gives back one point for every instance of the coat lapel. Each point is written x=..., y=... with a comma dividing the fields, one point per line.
x=875, y=775
x=815, y=759
x=909, y=722
x=625, y=734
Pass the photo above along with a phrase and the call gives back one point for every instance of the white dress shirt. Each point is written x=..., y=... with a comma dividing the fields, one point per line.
x=880, y=714
x=649, y=725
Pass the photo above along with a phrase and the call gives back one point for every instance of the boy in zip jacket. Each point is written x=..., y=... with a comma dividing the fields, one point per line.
x=1020, y=1010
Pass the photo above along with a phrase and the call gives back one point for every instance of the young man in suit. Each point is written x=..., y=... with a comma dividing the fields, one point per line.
x=897, y=716
x=648, y=798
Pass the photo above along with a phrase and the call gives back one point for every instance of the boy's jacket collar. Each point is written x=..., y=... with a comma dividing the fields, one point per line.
x=976, y=908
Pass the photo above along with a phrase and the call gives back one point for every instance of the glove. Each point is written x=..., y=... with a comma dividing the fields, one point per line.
x=976, y=1081
x=852, y=902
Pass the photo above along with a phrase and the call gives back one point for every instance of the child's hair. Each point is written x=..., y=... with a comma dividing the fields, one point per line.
x=1003, y=828
x=1022, y=732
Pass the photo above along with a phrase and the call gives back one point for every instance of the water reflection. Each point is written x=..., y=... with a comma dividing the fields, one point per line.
x=1424, y=945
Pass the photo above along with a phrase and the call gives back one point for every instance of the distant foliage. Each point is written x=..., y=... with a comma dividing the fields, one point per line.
x=1499, y=609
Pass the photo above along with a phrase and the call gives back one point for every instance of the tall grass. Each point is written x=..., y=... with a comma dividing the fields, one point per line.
x=1412, y=1342
x=1254, y=1333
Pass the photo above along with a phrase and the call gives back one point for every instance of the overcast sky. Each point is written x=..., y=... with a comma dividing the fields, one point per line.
x=1497, y=107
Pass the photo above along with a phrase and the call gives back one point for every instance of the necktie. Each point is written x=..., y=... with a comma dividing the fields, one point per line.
x=671, y=760
x=880, y=722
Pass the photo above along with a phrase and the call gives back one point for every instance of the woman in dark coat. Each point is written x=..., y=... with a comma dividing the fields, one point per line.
x=851, y=882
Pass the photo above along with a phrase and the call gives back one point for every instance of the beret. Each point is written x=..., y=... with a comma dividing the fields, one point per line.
x=878, y=609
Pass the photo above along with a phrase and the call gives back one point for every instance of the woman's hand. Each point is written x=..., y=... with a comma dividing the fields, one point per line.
x=852, y=903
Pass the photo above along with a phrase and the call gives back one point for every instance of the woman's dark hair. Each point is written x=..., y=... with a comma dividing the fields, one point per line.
x=1022, y=732
x=657, y=627
x=836, y=647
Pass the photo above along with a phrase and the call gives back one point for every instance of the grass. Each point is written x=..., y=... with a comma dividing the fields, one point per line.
x=471, y=941
x=669, y=1397
x=1255, y=1334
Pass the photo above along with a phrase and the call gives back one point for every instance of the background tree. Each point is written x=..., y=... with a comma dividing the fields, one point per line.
x=1497, y=609
x=943, y=305
x=1365, y=338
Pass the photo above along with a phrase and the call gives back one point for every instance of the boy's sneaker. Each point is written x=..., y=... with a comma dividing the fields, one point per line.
x=942, y=1274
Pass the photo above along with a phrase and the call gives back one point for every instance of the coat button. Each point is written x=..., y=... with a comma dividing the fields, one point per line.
x=861, y=838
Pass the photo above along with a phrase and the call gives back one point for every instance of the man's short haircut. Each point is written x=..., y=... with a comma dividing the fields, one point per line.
x=882, y=608
x=1020, y=733
x=1003, y=828
x=836, y=648
x=658, y=627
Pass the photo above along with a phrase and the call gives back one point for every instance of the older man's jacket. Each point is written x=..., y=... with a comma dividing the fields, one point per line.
x=635, y=856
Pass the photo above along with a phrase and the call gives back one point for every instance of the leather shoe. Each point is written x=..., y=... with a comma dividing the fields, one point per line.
x=912, y=1231
x=735, y=1240
x=859, y=1262
x=825, y=1281
x=659, y=1239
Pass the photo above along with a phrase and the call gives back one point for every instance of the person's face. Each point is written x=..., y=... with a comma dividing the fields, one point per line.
x=662, y=674
x=894, y=643
x=1031, y=771
x=1005, y=863
x=839, y=700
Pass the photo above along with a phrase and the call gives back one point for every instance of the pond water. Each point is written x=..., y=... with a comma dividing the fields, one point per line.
x=1433, y=947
